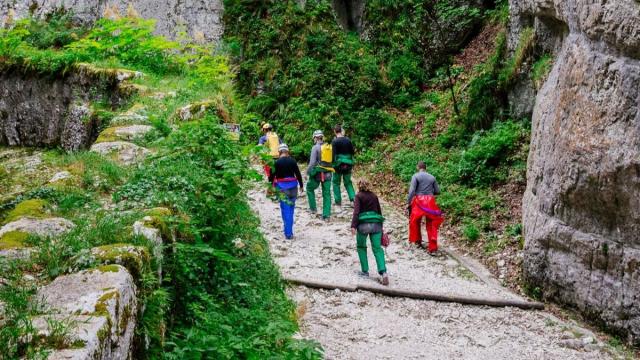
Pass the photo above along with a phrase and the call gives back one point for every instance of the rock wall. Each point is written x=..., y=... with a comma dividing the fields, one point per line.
x=202, y=19
x=581, y=209
x=48, y=111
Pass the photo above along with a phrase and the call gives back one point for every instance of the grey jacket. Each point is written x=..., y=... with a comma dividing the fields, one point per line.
x=422, y=183
x=314, y=159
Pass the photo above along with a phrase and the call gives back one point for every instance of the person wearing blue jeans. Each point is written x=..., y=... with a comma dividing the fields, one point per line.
x=286, y=177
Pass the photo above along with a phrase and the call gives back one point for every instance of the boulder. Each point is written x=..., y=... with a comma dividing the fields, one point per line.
x=48, y=227
x=124, y=152
x=581, y=208
x=105, y=292
x=134, y=258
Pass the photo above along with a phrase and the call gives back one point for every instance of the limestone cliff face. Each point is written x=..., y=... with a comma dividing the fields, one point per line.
x=581, y=209
x=49, y=112
x=202, y=19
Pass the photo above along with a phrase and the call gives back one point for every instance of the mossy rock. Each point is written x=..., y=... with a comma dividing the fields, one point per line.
x=13, y=240
x=136, y=259
x=33, y=208
x=107, y=135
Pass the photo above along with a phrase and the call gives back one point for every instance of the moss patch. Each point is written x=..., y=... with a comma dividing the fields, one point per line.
x=108, y=268
x=134, y=258
x=108, y=135
x=33, y=208
x=13, y=240
x=103, y=302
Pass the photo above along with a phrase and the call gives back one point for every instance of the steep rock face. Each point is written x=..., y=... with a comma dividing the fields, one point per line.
x=202, y=19
x=581, y=209
x=42, y=111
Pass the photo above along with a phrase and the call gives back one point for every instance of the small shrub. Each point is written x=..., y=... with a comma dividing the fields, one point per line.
x=471, y=232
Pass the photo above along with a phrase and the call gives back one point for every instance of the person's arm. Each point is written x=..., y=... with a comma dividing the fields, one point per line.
x=378, y=207
x=352, y=150
x=313, y=161
x=356, y=212
x=436, y=188
x=272, y=175
x=412, y=189
x=262, y=140
x=334, y=155
x=296, y=170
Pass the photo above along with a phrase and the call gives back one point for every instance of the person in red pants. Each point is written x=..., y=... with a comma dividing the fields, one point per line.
x=422, y=204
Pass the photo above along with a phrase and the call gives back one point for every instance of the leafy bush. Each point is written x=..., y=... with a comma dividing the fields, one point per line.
x=471, y=232
x=487, y=151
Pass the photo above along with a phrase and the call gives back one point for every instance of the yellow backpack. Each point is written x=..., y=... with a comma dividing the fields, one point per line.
x=326, y=155
x=273, y=142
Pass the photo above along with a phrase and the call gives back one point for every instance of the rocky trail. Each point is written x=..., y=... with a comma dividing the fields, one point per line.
x=364, y=325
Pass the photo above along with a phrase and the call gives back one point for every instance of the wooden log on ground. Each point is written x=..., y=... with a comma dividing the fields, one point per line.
x=419, y=295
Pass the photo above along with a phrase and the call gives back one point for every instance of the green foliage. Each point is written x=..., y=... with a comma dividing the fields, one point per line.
x=513, y=65
x=302, y=71
x=540, y=69
x=486, y=97
x=487, y=150
x=56, y=32
x=226, y=302
x=471, y=232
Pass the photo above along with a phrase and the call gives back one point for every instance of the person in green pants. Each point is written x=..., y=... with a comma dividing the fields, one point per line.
x=343, y=162
x=320, y=171
x=366, y=222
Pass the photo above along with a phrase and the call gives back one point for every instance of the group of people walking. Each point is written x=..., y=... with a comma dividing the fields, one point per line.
x=330, y=166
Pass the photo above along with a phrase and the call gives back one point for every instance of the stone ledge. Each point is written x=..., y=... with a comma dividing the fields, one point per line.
x=107, y=291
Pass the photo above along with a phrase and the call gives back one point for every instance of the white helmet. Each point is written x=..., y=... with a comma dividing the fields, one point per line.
x=318, y=133
x=283, y=147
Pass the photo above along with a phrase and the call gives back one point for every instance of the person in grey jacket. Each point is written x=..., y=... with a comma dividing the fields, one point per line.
x=422, y=204
x=319, y=173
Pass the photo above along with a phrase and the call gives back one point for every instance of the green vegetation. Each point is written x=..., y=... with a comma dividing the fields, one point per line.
x=301, y=70
x=215, y=300
x=32, y=208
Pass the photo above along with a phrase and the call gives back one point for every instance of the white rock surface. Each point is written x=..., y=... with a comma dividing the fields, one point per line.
x=125, y=152
x=48, y=227
x=106, y=291
x=62, y=175
x=154, y=236
x=132, y=132
x=83, y=328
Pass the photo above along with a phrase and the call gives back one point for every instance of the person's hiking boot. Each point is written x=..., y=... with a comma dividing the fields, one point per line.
x=289, y=237
x=384, y=279
x=434, y=253
x=326, y=218
x=339, y=204
x=363, y=274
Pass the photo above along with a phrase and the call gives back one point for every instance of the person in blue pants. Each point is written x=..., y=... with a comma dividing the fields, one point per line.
x=286, y=177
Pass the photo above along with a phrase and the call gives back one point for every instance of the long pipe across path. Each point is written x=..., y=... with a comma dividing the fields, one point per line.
x=422, y=295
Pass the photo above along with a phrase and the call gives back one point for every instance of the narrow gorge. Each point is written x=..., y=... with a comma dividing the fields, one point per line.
x=134, y=225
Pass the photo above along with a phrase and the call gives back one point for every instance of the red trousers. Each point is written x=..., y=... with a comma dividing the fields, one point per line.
x=425, y=206
x=267, y=170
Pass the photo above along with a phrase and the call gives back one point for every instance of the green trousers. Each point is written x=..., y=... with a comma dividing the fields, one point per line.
x=378, y=253
x=337, y=194
x=312, y=185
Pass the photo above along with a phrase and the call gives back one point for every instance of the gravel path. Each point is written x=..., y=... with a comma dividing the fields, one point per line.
x=362, y=325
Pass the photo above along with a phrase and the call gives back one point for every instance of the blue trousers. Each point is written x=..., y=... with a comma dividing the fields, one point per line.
x=287, y=208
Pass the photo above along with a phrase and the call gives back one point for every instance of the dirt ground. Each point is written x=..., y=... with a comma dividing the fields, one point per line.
x=363, y=325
